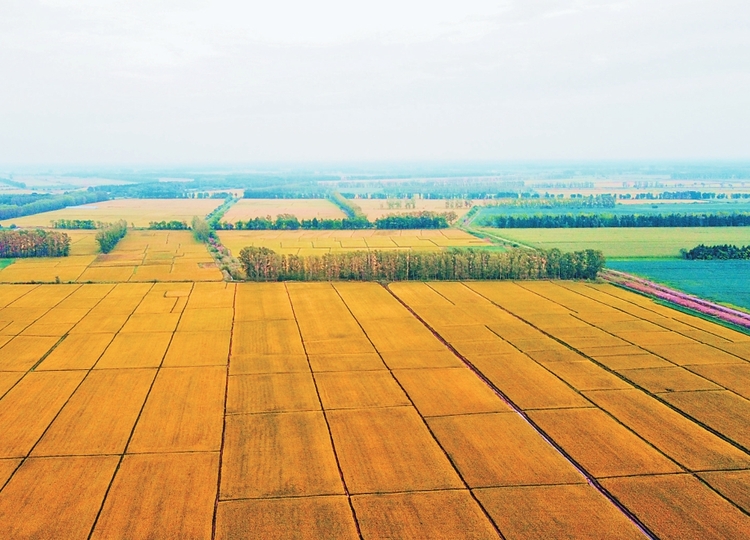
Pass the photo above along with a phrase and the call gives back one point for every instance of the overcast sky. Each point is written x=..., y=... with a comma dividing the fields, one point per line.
x=228, y=82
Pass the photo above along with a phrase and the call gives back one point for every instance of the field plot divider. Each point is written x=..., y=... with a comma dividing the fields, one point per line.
x=140, y=412
x=325, y=416
x=224, y=420
x=642, y=389
x=653, y=395
x=32, y=368
x=429, y=429
x=676, y=307
x=589, y=478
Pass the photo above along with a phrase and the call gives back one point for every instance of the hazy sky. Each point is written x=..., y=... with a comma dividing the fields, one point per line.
x=222, y=81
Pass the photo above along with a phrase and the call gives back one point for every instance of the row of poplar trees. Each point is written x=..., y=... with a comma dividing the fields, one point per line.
x=263, y=264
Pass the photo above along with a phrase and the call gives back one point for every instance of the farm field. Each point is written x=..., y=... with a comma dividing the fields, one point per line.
x=137, y=212
x=245, y=209
x=656, y=242
x=142, y=255
x=622, y=208
x=720, y=281
x=348, y=410
x=321, y=242
x=377, y=208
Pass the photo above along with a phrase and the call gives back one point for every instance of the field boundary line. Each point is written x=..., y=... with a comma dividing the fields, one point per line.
x=323, y=411
x=23, y=460
x=589, y=478
x=694, y=474
x=224, y=419
x=625, y=379
x=421, y=417
x=140, y=412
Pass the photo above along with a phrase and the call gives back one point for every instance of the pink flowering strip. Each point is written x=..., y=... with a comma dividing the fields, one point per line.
x=692, y=302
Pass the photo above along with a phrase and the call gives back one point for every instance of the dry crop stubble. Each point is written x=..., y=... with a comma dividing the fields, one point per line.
x=271, y=392
x=448, y=391
x=734, y=377
x=135, y=350
x=29, y=407
x=192, y=349
x=183, y=413
x=679, y=506
x=681, y=439
x=278, y=455
x=22, y=352
x=721, y=410
x=600, y=444
x=161, y=496
x=519, y=456
x=55, y=497
x=387, y=450
x=359, y=389
x=431, y=514
x=732, y=485
x=99, y=417
x=672, y=379
x=565, y=511
x=307, y=518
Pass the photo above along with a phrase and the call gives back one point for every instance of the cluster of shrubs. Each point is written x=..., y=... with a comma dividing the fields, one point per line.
x=263, y=264
x=592, y=221
x=33, y=243
x=110, y=235
x=173, y=225
x=720, y=252
x=77, y=224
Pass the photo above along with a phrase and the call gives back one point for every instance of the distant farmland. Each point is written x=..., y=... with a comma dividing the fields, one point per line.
x=626, y=242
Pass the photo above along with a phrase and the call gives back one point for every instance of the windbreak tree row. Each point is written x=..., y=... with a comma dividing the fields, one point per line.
x=592, y=221
x=288, y=222
x=33, y=243
x=109, y=236
x=720, y=252
x=263, y=264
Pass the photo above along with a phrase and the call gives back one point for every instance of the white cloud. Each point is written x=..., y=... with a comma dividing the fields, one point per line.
x=173, y=81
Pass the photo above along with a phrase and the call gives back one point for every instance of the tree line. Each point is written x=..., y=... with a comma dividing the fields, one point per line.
x=78, y=224
x=720, y=252
x=590, y=221
x=109, y=236
x=174, y=225
x=33, y=243
x=263, y=264
x=53, y=202
x=413, y=220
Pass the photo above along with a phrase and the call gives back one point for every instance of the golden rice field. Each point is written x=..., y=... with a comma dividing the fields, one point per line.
x=352, y=410
x=245, y=209
x=321, y=242
x=377, y=208
x=143, y=255
x=137, y=212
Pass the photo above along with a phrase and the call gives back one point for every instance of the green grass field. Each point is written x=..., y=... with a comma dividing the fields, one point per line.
x=652, y=242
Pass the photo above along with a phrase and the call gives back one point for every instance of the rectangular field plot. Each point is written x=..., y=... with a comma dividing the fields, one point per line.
x=277, y=455
x=431, y=514
x=137, y=212
x=161, y=496
x=306, y=518
x=626, y=242
x=520, y=456
x=570, y=511
x=245, y=209
x=679, y=506
x=293, y=242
